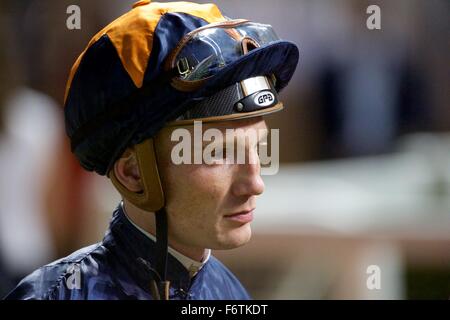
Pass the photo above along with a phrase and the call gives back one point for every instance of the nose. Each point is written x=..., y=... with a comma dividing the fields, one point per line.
x=248, y=181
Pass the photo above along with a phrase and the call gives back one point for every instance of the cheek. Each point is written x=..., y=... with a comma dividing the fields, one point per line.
x=197, y=189
x=195, y=201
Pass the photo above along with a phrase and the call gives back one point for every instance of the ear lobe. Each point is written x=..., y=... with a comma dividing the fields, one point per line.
x=126, y=169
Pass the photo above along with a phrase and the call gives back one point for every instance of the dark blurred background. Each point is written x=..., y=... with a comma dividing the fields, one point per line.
x=365, y=149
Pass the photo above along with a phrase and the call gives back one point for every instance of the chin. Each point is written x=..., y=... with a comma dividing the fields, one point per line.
x=235, y=238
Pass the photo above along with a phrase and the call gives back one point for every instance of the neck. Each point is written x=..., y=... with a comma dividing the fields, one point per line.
x=146, y=221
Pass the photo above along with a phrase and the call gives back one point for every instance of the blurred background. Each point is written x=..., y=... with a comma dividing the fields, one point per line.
x=365, y=149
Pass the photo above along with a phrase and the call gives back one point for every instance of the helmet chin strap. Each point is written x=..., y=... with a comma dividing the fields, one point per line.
x=151, y=199
x=161, y=254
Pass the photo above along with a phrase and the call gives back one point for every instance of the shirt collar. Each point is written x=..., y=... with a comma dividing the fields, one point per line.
x=191, y=265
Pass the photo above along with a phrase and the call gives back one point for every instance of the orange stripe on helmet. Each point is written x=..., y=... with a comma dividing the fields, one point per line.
x=132, y=34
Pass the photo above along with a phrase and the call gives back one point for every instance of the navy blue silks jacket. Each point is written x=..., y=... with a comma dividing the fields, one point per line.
x=117, y=268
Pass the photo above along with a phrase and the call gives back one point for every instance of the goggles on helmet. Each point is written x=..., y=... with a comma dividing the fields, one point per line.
x=204, y=51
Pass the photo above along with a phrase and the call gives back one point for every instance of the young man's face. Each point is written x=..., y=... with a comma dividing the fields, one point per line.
x=203, y=201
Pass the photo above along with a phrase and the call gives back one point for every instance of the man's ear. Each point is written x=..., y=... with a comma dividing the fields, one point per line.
x=126, y=170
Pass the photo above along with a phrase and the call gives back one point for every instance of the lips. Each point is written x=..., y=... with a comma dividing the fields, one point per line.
x=242, y=217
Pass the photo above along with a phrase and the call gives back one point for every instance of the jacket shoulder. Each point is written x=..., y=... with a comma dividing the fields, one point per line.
x=230, y=287
x=61, y=279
